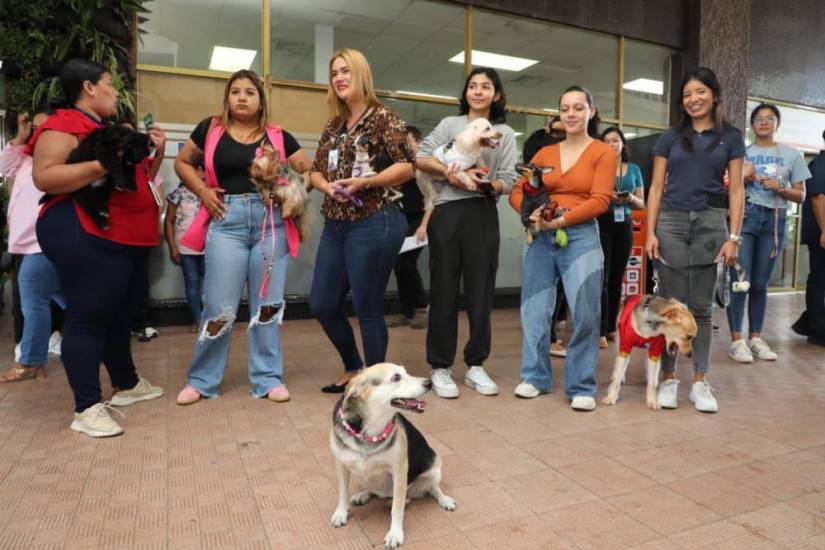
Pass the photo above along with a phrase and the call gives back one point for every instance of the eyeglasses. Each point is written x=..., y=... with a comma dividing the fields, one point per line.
x=762, y=120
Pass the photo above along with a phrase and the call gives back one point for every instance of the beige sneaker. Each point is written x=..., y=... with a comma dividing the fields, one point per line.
x=419, y=319
x=96, y=421
x=142, y=392
x=398, y=321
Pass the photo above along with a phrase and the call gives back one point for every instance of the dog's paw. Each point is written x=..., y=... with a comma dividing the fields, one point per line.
x=447, y=502
x=361, y=498
x=339, y=518
x=394, y=538
x=653, y=403
x=609, y=399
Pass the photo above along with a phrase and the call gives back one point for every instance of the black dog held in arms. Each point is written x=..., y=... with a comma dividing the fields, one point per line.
x=119, y=150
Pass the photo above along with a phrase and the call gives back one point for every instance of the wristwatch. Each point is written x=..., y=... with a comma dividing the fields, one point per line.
x=736, y=238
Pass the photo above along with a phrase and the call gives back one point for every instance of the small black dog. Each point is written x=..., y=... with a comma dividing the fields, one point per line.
x=119, y=149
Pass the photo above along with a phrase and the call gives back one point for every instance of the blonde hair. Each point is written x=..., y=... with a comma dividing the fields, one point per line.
x=362, y=84
x=263, y=112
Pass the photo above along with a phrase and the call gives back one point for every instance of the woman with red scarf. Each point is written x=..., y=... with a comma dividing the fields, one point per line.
x=102, y=272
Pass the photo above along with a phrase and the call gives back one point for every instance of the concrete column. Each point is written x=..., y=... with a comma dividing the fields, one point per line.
x=719, y=38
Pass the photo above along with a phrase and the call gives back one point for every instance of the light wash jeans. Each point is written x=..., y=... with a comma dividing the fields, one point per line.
x=755, y=259
x=39, y=285
x=580, y=265
x=234, y=259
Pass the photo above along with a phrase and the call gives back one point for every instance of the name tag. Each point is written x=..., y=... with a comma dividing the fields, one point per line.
x=332, y=161
x=618, y=213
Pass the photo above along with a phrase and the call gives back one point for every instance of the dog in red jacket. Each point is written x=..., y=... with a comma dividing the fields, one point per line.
x=655, y=323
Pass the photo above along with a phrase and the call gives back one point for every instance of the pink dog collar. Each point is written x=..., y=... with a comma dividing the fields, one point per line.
x=388, y=430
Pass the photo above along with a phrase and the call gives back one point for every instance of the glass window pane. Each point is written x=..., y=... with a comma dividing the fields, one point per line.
x=408, y=43
x=646, y=87
x=562, y=56
x=180, y=33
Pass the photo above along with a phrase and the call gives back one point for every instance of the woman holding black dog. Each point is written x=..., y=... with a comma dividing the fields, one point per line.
x=102, y=271
x=363, y=230
x=579, y=177
x=248, y=244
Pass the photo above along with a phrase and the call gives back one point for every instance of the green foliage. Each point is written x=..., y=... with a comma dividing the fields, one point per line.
x=38, y=36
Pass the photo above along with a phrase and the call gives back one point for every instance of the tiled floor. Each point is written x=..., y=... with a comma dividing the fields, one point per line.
x=236, y=472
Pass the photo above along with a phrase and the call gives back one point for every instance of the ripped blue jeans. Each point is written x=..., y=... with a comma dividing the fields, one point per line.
x=236, y=257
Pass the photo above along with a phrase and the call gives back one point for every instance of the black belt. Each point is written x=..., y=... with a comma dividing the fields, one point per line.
x=718, y=201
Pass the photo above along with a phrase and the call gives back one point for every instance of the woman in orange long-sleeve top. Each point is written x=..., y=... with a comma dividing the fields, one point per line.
x=580, y=181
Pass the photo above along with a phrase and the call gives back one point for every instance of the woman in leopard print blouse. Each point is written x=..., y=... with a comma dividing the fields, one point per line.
x=362, y=155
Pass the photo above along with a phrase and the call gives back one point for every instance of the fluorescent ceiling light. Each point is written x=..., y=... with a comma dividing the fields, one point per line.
x=437, y=96
x=645, y=85
x=629, y=135
x=231, y=59
x=496, y=61
x=517, y=134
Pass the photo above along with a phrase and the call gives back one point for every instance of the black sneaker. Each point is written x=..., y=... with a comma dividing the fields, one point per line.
x=801, y=325
x=816, y=340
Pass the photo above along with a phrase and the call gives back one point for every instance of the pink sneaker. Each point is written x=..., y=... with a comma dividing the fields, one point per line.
x=279, y=394
x=189, y=395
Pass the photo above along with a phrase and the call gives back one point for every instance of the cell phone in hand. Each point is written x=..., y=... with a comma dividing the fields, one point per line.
x=623, y=194
x=148, y=121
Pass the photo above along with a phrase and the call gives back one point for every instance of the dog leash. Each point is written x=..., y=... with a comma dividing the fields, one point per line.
x=270, y=263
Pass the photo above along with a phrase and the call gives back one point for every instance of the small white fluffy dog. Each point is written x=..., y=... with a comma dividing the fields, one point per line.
x=460, y=154
x=381, y=448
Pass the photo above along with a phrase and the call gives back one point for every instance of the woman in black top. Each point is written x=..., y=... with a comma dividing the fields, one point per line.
x=241, y=248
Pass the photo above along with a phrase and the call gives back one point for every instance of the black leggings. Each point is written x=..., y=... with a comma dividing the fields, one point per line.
x=103, y=283
x=616, y=239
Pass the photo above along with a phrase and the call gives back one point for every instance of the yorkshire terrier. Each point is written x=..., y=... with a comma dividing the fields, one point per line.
x=277, y=182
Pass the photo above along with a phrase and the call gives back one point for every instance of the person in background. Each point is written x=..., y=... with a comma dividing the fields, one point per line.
x=464, y=236
x=687, y=228
x=552, y=133
x=182, y=206
x=616, y=229
x=36, y=277
x=812, y=321
x=363, y=230
x=101, y=272
x=411, y=292
x=779, y=174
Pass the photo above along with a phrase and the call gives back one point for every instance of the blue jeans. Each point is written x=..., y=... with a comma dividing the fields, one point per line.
x=39, y=285
x=357, y=256
x=755, y=259
x=193, y=267
x=580, y=265
x=234, y=259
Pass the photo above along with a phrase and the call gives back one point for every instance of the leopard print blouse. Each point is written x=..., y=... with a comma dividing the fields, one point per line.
x=386, y=138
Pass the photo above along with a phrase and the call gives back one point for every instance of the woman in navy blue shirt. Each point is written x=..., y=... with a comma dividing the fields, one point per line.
x=687, y=233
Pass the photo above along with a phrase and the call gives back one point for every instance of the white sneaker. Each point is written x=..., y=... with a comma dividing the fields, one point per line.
x=96, y=421
x=527, y=390
x=668, y=396
x=740, y=352
x=443, y=384
x=702, y=396
x=477, y=379
x=583, y=403
x=142, y=392
x=55, y=342
x=761, y=349
x=17, y=354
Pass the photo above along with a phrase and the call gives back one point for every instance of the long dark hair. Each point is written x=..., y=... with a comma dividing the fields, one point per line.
x=707, y=77
x=497, y=112
x=625, y=147
x=593, y=123
x=74, y=73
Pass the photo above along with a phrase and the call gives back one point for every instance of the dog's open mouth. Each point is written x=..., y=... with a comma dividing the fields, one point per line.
x=672, y=348
x=413, y=405
x=490, y=142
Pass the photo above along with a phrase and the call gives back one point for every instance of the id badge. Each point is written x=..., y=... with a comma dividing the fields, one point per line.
x=618, y=213
x=332, y=160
